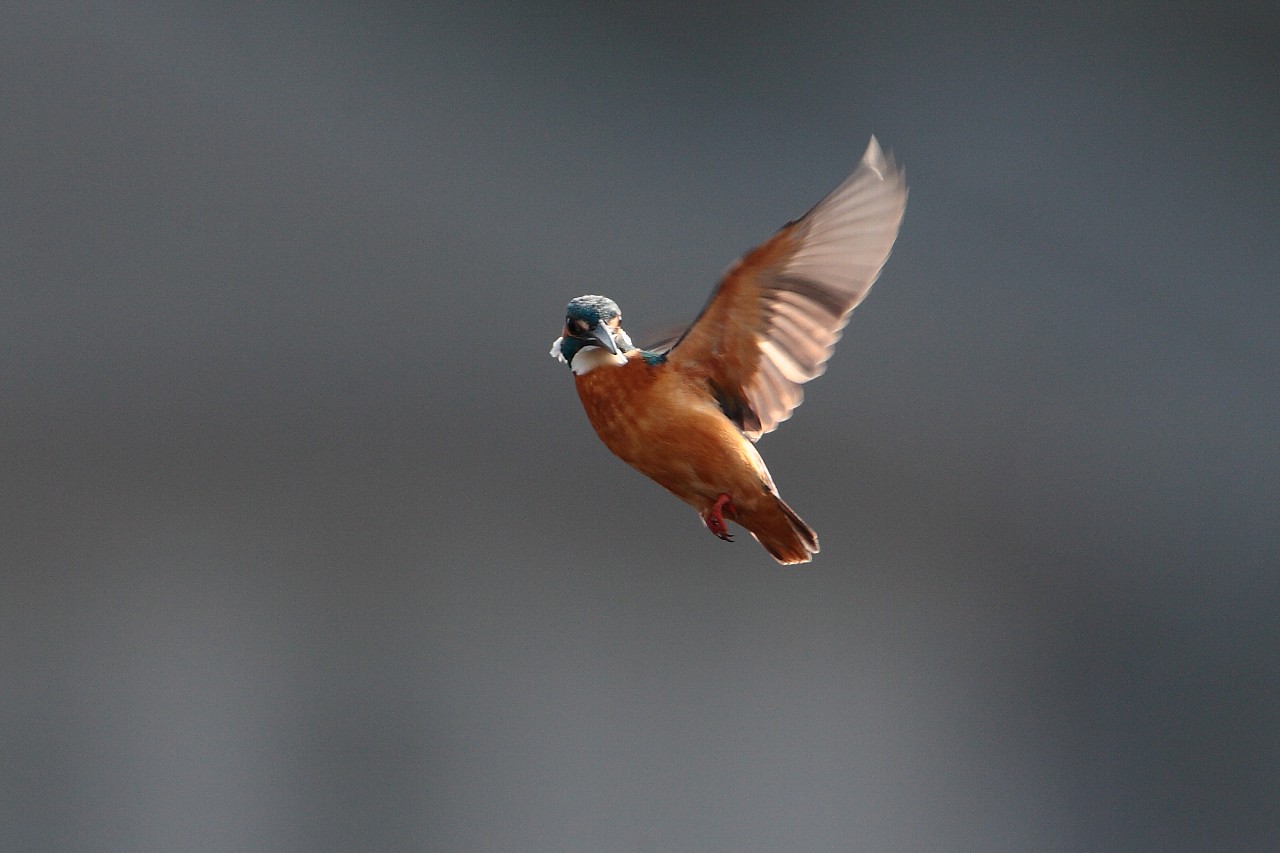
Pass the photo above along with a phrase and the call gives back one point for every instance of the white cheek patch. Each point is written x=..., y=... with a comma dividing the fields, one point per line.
x=589, y=358
x=556, y=353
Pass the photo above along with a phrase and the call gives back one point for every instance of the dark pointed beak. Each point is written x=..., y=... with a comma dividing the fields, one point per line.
x=604, y=335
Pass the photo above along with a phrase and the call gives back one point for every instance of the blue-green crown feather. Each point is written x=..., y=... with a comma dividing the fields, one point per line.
x=592, y=310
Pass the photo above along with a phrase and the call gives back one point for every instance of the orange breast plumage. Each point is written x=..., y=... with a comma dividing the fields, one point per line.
x=667, y=425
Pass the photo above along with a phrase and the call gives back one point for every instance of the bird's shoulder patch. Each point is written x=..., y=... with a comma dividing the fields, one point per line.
x=653, y=359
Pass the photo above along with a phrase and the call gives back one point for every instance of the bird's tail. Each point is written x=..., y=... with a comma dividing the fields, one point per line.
x=782, y=533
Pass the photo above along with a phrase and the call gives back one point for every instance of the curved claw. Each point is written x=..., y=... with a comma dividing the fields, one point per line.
x=714, y=517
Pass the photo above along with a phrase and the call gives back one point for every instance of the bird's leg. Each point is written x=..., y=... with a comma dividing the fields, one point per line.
x=714, y=517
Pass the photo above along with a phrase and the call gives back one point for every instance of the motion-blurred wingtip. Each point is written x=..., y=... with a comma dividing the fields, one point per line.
x=879, y=162
x=874, y=157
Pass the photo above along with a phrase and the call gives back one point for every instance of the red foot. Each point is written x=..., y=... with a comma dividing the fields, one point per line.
x=714, y=517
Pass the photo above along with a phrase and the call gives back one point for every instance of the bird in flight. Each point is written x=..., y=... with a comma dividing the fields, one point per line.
x=687, y=414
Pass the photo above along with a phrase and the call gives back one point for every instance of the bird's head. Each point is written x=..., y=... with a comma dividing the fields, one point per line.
x=591, y=321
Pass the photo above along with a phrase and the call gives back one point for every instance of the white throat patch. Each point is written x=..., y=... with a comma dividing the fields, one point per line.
x=588, y=359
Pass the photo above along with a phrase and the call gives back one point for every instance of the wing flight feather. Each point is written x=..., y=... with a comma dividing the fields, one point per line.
x=776, y=315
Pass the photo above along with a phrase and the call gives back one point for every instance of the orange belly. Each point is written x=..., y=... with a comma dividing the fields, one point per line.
x=669, y=428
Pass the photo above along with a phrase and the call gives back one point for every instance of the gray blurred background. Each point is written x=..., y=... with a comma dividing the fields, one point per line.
x=307, y=544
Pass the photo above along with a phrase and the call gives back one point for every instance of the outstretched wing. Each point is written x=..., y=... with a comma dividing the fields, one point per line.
x=774, y=318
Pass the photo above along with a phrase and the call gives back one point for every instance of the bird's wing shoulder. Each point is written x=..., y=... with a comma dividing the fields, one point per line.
x=775, y=316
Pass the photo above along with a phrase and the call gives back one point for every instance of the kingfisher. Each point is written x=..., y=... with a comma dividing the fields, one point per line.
x=687, y=412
